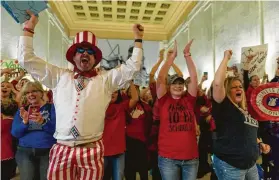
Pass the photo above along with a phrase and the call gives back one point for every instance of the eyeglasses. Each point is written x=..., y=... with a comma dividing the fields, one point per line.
x=33, y=91
x=89, y=51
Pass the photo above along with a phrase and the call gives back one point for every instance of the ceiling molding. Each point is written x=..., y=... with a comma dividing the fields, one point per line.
x=114, y=19
x=54, y=10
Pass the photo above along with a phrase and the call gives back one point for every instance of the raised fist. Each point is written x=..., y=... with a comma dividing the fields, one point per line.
x=228, y=54
x=138, y=31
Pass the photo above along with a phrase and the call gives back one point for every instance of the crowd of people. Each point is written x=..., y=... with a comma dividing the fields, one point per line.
x=97, y=124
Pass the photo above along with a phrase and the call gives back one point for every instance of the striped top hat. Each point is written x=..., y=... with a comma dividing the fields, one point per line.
x=84, y=39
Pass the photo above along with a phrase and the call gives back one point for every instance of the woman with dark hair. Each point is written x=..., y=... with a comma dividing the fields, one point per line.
x=34, y=126
x=114, y=134
x=236, y=147
x=137, y=133
x=8, y=164
x=8, y=109
x=206, y=123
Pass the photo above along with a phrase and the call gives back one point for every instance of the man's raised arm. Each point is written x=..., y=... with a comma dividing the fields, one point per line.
x=120, y=76
x=44, y=72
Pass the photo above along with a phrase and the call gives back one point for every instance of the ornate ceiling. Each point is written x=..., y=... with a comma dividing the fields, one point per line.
x=114, y=19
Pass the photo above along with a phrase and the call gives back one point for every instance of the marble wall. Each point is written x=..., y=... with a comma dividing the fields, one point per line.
x=219, y=25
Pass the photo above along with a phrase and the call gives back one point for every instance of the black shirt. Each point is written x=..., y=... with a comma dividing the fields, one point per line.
x=236, y=141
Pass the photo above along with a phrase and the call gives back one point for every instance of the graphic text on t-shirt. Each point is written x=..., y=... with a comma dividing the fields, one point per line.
x=180, y=118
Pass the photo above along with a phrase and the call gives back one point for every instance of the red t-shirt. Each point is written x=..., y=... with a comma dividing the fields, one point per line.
x=114, y=131
x=6, y=139
x=251, y=110
x=140, y=121
x=177, y=133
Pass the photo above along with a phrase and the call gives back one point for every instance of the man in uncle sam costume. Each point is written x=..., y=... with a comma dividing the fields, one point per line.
x=81, y=98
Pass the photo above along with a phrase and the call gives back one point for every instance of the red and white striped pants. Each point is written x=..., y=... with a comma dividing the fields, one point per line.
x=76, y=163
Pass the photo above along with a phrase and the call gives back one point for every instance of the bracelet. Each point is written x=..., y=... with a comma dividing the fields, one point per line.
x=138, y=40
x=28, y=30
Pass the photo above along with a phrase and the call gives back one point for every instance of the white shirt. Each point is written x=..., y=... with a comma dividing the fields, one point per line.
x=84, y=110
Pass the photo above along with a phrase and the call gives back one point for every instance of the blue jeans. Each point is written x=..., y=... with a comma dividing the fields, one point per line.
x=225, y=171
x=171, y=169
x=32, y=163
x=114, y=167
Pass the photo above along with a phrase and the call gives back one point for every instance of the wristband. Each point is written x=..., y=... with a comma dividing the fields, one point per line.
x=28, y=30
x=138, y=40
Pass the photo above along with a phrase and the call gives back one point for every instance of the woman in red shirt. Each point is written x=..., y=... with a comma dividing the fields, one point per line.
x=178, y=149
x=137, y=131
x=114, y=134
x=8, y=164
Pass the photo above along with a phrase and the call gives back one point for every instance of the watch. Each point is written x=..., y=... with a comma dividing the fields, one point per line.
x=138, y=40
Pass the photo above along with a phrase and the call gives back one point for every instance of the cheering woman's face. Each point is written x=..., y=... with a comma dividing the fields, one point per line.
x=236, y=91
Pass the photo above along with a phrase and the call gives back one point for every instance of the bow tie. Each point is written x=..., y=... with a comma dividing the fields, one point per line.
x=87, y=74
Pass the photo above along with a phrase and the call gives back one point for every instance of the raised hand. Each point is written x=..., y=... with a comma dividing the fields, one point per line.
x=173, y=53
x=32, y=22
x=187, y=48
x=138, y=31
x=228, y=54
x=162, y=52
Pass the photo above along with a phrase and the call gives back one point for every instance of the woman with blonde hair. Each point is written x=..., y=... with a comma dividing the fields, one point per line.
x=8, y=110
x=236, y=147
x=34, y=126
